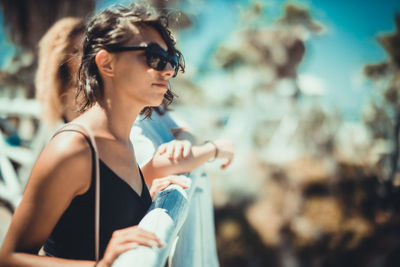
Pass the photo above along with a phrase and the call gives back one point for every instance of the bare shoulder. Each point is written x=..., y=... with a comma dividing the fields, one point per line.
x=62, y=171
x=68, y=143
x=66, y=160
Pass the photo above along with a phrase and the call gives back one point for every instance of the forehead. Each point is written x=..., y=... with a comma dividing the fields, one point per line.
x=145, y=35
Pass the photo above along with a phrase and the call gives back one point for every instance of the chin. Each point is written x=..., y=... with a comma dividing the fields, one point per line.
x=159, y=100
x=156, y=102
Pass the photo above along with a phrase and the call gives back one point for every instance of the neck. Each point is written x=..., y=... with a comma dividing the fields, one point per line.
x=114, y=116
x=121, y=117
x=112, y=119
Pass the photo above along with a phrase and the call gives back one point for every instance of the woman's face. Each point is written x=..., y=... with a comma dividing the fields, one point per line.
x=145, y=85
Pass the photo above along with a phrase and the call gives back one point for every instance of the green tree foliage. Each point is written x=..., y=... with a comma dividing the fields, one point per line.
x=384, y=115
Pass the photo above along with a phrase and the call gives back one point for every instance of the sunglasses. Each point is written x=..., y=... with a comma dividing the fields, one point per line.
x=156, y=57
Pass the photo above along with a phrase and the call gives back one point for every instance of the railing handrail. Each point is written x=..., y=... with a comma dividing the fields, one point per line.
x=165, y=218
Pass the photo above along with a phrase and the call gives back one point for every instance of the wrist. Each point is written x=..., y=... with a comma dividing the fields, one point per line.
x=101, y=264
x=215, y=149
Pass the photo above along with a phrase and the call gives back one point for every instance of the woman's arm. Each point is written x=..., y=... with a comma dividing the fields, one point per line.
x=178, y=157
x=62, y=171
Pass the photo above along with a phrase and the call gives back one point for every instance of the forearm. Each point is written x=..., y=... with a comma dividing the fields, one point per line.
x=19, y=259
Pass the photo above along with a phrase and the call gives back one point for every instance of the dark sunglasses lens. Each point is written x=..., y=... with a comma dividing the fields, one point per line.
x=173, y=60
x=157, y=58
x=156, y=61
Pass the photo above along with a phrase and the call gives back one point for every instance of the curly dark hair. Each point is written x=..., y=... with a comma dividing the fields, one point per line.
x=112, y=28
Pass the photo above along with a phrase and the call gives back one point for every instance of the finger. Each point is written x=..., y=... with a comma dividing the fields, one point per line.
x=162, y=185
x=140, y=236
x=135, y=229
x=125, y=247
x=148, y=242
x=148, y=235
x=186, y=149
x=227, y=163
x=178, y=151
x=162, y=149
x=181, y=181
x=112, y=252
x=170, y=151
x=158, y=181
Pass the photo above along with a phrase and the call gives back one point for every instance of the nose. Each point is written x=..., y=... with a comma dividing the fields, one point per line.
x=168, y=71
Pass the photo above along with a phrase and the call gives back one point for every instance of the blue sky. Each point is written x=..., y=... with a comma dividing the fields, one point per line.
x=336, y=57
x=349, y=44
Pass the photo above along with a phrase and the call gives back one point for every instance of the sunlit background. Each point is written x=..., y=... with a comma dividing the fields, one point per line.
x=307, y=90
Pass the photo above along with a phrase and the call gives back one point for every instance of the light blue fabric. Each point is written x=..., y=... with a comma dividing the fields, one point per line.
x=146, y=135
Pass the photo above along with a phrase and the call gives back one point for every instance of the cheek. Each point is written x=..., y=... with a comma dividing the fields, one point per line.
x=133, y=71
x=134, y=79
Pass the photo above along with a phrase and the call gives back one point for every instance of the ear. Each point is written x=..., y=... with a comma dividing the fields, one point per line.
x=105, y=63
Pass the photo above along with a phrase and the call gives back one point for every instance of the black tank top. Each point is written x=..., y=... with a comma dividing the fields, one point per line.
x=120, y=207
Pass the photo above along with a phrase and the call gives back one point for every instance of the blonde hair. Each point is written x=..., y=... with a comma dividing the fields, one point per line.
x=53, y=76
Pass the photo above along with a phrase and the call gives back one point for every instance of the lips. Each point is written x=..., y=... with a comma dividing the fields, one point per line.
x=161, y=84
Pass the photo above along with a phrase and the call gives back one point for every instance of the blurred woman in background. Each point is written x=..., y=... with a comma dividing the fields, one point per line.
x=59, y=53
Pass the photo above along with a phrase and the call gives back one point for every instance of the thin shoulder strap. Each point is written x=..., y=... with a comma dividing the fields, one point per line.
x=92, y=142
x=141, y=175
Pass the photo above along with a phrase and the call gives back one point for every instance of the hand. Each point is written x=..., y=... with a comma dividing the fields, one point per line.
x=225, y=150
x=175, y=149
x=162, y=183
x=127, y=239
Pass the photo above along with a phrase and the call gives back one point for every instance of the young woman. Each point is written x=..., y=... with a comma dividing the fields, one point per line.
x=59, y=58
x=128, y=57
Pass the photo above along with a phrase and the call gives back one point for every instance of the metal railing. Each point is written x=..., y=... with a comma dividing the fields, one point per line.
x=165, y=218
x=189, y=241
